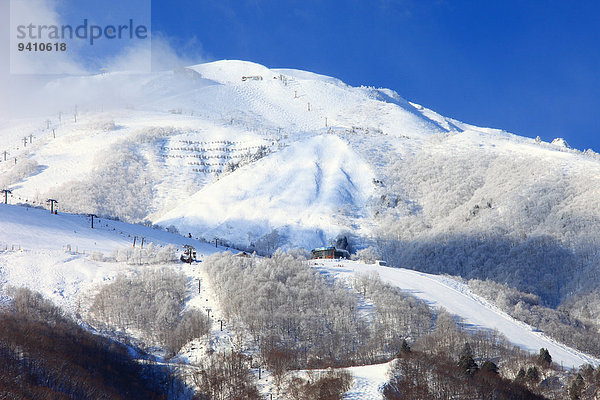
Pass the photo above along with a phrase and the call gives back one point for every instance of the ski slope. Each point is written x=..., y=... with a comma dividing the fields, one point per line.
x=368, y=381
x=356, y=161
x=34, y=254
x=301, y=188
x=61, y=257
x=332, y=151
x=457, y=299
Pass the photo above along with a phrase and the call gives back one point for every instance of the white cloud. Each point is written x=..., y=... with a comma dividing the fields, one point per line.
x=35, y=94
x=162, y=56
x=41, y=13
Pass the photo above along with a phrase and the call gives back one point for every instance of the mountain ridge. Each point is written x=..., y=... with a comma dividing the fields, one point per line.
x=403, y=178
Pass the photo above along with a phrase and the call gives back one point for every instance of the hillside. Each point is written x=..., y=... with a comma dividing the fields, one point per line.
x=296, y=159
x=258, y=158
x=61, y=257
x=457, y=298
x=71, y=279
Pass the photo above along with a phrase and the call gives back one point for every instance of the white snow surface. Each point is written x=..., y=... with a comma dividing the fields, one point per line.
x=368, y=381
x=54, y=254
x=313, y=185
x=41, y=261
x=163, y=140
x=302, y=187
x=328, y=143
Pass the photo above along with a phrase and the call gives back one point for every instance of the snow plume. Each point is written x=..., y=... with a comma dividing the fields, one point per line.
x=41, y=13
x=163, y=56
x=28, y=82
x=40, y=95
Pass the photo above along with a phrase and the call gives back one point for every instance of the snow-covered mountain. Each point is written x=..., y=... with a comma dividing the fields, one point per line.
x=262, y=158
x=286, y=133
x=61, y=257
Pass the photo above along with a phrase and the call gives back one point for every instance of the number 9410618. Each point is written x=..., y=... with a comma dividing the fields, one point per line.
x=35, y=46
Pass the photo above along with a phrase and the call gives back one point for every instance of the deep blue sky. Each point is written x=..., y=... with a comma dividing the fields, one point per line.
x=530, y=67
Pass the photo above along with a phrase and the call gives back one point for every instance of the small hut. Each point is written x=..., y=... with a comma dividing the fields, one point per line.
x=329, y=252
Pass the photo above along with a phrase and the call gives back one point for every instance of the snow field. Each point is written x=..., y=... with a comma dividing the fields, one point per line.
x=61, y=256
x=300, y=187
x=368, y=381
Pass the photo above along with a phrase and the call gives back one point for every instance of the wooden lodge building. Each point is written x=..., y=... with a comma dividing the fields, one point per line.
x=330, y=252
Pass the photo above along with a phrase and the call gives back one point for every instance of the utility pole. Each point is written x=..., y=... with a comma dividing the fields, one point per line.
x=92, y=215
x=52, y=203
x=6, y=192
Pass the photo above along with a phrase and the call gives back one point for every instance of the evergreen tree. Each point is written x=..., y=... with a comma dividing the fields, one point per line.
x=533, y=375
x=489, y=366
x=576, y=388
x=466, y=351
x=341, y=243
x=520, y=375
x=404, y=347
x=544, y=358
x=466, y=362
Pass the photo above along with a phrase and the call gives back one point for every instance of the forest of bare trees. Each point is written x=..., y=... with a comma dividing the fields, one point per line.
x=436, y=357
x=421, y=376
x=299, y=318
x=44, y=355
x=452, y=362
x=397, y=316
x=151, y=302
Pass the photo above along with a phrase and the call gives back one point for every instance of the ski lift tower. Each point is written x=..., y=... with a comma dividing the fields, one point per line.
x=92, y=216
x=6, y=192
x=52, y=203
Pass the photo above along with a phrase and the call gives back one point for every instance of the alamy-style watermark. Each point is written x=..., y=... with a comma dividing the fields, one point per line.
x=34, y=32
x=70, y=37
